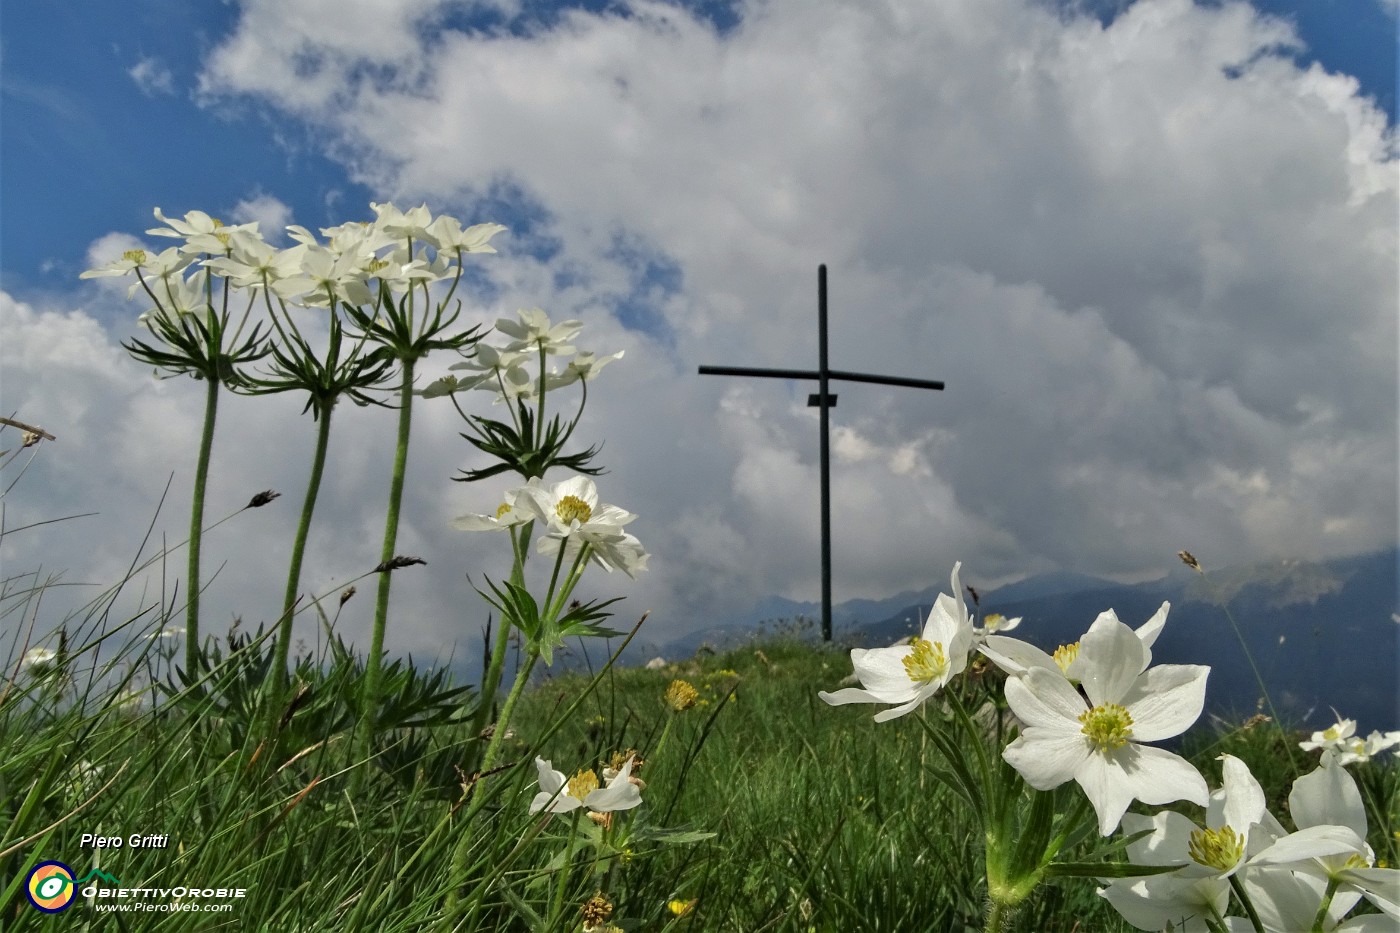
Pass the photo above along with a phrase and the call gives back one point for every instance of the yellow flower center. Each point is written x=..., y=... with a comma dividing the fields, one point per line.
x=223, y=238
x=1220, y=848
x=1108, y=726
x=377, y=265
x=1332, y=733
x=582, y=784
x=681, y=696
x=927, y=662
x=993, y=621
x=501, y=510
x=572, y=508
x=137, y=256
x=1065, y=655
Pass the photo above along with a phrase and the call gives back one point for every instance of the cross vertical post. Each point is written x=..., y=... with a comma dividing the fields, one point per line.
x=825, y=401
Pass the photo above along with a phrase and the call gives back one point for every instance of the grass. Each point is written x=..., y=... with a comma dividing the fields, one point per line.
x=764, y=809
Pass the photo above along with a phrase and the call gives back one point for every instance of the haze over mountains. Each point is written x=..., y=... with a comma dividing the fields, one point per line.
x=1323, y=634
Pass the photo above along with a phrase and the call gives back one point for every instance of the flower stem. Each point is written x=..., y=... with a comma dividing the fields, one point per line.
x=522, y=677
x=491, y=677
x=556, y=908
x=369, y=697
x=1322, y=908
x=1243, y=898
x=201, y=477
x=459, y=855
x=289, y=600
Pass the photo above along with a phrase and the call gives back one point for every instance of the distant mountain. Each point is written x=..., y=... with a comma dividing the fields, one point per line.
x=1323, y=634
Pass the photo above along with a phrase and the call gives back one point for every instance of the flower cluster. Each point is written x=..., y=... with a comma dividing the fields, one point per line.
x=573, y=519
x=1304, y=880
x=1341, y=737
x=356, y=264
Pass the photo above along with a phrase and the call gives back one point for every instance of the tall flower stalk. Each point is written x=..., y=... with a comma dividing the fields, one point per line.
x=191, y=337
x=405, y=333
x=528, y=446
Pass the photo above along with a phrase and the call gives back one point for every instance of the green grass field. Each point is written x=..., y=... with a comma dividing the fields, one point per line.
x=763, y=808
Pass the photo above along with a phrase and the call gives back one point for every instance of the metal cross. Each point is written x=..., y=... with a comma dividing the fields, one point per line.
x=823, y=400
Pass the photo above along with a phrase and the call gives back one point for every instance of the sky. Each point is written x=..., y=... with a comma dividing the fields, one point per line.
x=1151, y=248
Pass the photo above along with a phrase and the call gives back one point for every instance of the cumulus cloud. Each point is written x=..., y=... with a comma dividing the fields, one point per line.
x=1154, y=261
x=271, y=215
x=152, y=76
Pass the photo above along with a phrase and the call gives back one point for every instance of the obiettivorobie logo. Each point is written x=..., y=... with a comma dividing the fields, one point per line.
x=52, y=888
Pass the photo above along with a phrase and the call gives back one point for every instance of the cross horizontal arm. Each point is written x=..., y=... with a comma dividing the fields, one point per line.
x=813, y=374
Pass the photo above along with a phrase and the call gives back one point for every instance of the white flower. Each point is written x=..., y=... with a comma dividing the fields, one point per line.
x=1097, y=741
x=1330, y=843
x=1015, y=657
x=1356, y=750
x=1333, y=737
x=994, y=622
x=575, y=517
x=201, y=233
x=496, y=370
x=907, y=675
x=534, y=331
x=179, y=296
x=328, y=277
x=1286, y=900
x=560, y=794
x=1208, y=857
x=252, y=262
x=506, y=516
x=585, y=366
x=451, y=238
x=404, y=225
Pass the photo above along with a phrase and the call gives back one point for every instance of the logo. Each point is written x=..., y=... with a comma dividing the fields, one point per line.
x=51, y=887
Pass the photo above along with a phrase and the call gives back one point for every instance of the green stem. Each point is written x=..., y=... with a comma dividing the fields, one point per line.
x=491, y=678
x=289, y=600
x=459, y=856
x=369, y=698
x=1321, y=908
x=998, y=917
x=1238, y=887
x=556, y=909
x=201, y=477
x=522, y=677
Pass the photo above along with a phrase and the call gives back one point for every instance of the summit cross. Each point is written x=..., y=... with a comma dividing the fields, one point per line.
x=825, y=400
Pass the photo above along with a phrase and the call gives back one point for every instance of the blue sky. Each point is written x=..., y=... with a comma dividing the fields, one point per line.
x=91, y=138
x=1150, y=247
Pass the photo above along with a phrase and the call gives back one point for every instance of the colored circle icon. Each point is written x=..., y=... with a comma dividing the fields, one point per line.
x=50, y=887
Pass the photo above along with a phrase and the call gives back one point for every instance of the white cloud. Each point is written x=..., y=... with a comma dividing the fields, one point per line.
x=1154, y=262
x=152, y=76
x=271, y=215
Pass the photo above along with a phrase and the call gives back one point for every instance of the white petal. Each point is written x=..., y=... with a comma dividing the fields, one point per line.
x=848, y=695
x=1043, y=698
x=1310, y=843
x=1110, y=659
x=1328, y=796
x=1015, y=656
x=882, y=672
x=1046, y=758
x=1105, y=784
x=1244, y=803
x=1155, y=775
x=1166, y=700
x=1147, y=633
